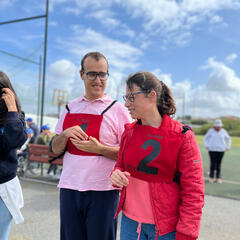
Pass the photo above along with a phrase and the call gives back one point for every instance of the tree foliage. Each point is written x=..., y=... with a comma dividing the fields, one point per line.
x=232, y=127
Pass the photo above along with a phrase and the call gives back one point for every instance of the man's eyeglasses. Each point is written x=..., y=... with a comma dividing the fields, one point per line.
x=131, y=97
x=91, y=76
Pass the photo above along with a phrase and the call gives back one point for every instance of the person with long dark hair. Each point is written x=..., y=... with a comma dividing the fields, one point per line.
x=12, y=136
x=159, y=167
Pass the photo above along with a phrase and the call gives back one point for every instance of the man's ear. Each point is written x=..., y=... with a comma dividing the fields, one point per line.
x=81, y=74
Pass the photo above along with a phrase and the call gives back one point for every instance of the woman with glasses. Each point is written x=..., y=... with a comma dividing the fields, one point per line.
x=159, y=167
x=12, y=136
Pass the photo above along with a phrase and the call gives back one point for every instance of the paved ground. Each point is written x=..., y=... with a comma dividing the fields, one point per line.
x=221, y=217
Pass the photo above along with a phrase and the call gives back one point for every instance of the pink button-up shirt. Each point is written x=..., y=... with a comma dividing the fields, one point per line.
x=85, y=173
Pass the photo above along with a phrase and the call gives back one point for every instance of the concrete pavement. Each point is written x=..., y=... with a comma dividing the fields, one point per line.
x=221, y=217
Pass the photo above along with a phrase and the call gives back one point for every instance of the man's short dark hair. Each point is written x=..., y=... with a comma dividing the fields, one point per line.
x=96, y=55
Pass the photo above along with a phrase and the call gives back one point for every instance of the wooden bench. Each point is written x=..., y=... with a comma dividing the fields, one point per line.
x=41, y=153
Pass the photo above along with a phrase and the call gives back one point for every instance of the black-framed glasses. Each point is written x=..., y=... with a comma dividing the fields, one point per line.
x=91, y=76
x=131, y=97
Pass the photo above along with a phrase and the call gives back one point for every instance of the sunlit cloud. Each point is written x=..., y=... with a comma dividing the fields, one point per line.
x=230, y=58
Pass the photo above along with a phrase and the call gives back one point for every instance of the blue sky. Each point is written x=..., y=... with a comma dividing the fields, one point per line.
x=191, y=45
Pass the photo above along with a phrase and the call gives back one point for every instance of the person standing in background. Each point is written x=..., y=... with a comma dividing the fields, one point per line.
x=34, y=127
x=12, y=137
x=217, y=142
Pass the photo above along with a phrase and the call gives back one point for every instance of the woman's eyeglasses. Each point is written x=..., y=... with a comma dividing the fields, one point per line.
x=131, y=97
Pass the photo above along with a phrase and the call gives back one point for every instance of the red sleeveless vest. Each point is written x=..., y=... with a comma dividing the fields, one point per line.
x=151, y=153
x=90, y=124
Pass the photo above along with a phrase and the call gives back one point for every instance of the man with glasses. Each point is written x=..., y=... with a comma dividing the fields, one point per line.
x=89, y=130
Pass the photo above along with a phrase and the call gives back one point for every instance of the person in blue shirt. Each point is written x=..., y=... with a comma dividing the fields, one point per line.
x=34, y=127
x=12, y=137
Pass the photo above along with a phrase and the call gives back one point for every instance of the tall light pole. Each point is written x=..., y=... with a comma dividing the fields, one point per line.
x=183, y=108
x=39, y=90
x=44, y=63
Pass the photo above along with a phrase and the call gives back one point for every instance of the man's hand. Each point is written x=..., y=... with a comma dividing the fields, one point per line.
x=119, y=178
x=75, y=133
x=91, y=145
x=60, y=141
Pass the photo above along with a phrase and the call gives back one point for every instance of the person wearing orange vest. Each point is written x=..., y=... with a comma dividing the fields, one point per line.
x=159, y=167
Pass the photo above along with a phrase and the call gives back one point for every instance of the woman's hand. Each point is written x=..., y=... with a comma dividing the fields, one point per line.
x=119, y=178
x=9, y=97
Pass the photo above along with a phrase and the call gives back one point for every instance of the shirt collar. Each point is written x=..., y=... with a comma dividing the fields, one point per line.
x=102, y=99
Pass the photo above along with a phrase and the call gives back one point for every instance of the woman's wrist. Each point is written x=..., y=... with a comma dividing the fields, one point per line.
x=12, y=109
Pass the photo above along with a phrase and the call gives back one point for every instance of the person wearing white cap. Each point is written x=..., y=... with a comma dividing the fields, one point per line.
x=216, y=141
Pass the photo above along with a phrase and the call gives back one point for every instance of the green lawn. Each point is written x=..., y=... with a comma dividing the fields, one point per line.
x=230, y=173
x=235, y=140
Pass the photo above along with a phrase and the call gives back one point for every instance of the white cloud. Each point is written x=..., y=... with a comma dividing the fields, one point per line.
x=125, y=30
x=110, y=22
x=218, y=96
x=121, y=56
x=207, y=103
x=73, y=10
x=180, y=90
x=80, y=5
x=166, y=78
x=230, y=58
x=106, y=17
x=33, y=37
x=216, y=19
x=163, y=17
x=116, y=85
x=62, y=70
x=6, y=3
x=222, y=78
x=52, y=24
x=61, y=74
x=180, y=38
